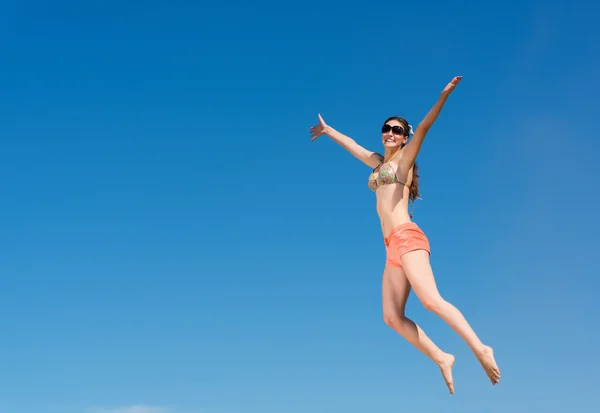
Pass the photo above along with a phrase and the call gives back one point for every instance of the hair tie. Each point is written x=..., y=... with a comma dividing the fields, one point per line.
x=410, y=129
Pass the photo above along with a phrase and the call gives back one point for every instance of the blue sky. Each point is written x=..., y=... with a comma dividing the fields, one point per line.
x=173, y=242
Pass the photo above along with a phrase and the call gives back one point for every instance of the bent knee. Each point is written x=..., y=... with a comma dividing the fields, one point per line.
x=394, y=321
x=434, y=304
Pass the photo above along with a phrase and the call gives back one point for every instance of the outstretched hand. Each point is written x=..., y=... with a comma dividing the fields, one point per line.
x=450, y=86
x=319, y=129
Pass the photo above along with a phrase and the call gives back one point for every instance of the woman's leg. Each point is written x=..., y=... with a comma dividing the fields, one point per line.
x=395, y=291
x=420, y=275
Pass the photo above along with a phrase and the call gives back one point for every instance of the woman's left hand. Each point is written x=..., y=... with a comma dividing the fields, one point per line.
x=450, y=86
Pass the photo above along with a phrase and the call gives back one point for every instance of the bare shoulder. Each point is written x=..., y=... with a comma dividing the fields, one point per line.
x=404, y=163
x=374, y=160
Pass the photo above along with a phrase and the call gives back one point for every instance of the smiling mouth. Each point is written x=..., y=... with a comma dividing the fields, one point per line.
x=390, y=140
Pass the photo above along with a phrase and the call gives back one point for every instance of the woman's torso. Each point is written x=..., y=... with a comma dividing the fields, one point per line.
x=391, y=182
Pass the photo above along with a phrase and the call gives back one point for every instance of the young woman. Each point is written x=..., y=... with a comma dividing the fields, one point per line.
x=395, y=182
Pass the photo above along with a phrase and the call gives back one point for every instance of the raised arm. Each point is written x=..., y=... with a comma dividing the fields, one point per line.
x=368, y=157
x=414, y=146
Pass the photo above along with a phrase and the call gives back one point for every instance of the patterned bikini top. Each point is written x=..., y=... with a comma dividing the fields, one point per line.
x=384, y=174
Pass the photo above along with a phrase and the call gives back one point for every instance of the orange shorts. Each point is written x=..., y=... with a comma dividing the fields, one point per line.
x=404, y=238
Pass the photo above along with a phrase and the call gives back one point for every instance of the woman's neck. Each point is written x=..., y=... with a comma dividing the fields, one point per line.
x=389, y=153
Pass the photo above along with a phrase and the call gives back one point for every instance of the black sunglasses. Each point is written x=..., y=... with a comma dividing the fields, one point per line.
x=396, y=130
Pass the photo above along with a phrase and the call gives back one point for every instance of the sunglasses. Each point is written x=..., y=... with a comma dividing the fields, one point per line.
x=396, y=130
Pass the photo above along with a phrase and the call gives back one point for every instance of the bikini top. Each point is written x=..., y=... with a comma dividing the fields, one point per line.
x=386, y=175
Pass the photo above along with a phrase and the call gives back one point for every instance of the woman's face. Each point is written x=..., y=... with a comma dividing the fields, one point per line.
x=393, y=134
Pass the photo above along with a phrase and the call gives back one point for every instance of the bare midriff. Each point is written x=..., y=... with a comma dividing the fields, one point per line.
x=392, y=206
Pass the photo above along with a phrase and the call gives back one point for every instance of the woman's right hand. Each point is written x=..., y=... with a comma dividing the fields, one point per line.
x=319, y=129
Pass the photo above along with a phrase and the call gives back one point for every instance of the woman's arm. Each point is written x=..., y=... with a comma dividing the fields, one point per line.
x=368, y=157
x=414, y=146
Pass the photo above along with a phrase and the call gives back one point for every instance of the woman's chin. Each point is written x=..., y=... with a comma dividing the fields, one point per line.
x=391, y=145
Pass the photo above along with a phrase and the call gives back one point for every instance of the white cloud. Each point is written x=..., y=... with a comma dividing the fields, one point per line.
x=132, y=409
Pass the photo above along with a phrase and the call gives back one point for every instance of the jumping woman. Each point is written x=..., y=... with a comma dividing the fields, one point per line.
x=395, y=182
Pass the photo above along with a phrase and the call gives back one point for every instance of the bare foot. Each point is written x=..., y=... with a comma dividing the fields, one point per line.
x=486, y=358
x=446, y=365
